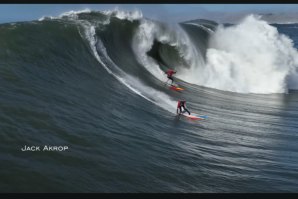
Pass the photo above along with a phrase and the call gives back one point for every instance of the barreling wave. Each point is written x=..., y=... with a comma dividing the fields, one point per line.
x=249, y=57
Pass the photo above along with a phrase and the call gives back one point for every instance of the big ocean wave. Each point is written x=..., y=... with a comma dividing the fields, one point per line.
x=249, y=57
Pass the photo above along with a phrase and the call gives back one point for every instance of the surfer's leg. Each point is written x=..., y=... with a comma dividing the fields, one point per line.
x=171, y=78
x=180, y=109
x=186, y=110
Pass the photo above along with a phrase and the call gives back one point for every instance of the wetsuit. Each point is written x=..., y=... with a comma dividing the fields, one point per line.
x=180, y=105
x=170, y=73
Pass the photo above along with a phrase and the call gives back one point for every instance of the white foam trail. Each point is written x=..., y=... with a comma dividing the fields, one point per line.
x=74, y=14
x=251, y=57
x=90, y=35
x=201, y=26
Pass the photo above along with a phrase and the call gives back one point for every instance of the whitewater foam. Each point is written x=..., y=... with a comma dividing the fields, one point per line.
x=250, y=57
x=143, y=40
x=70, y=14
x=122, y=14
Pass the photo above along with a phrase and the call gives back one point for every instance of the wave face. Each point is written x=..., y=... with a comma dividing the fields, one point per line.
x=94, y=81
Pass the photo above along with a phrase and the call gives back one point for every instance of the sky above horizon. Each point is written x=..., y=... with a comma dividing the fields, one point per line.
x=28, y=12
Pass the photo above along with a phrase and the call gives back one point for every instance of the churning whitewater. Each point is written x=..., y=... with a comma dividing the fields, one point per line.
x=94, y=82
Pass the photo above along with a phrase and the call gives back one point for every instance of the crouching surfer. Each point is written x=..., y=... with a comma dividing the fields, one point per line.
x=170, y=73
x=180, y=105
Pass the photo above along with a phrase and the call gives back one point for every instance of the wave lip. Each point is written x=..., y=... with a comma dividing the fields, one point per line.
x=71, y=14
x=128, y=15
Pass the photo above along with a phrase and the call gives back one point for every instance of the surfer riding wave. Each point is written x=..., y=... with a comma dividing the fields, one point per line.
x=170, y=73
x=180, y=105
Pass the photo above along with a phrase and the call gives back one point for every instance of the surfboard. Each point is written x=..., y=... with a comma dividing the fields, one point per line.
x=194, y=117
x=176, y=88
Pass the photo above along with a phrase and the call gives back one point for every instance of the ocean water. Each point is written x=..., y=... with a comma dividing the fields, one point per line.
x=94, y=82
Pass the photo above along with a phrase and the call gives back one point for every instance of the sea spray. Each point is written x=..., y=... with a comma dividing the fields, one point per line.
x=250, y=57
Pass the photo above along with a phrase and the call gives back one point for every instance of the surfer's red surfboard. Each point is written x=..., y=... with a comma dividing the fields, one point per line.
x=193, y=117
x=176, y=88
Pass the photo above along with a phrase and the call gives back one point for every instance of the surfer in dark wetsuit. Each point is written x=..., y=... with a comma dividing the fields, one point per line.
x=181, y=103
x=170, y=73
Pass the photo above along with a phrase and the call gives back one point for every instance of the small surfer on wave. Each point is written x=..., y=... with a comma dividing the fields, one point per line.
x=180, y=105
x=170, y=73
